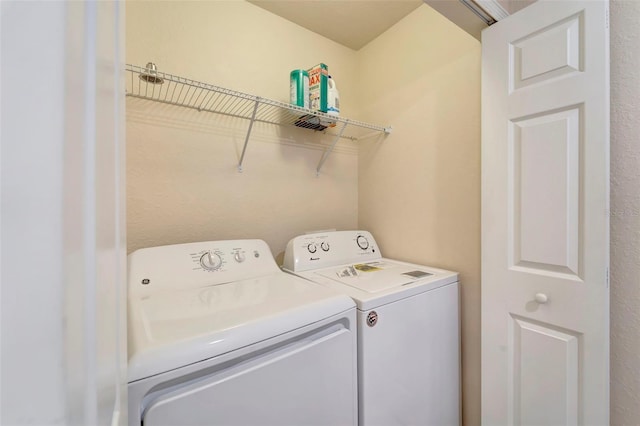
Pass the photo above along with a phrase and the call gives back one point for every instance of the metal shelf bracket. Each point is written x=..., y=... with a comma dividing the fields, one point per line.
x=246, y=139
x=328, y=151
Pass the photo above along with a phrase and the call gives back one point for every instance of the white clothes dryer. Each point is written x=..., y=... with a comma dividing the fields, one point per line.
x=219, y=335
x=408, y=326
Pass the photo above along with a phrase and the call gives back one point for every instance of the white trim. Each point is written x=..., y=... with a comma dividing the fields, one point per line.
x=493, y=8
x=89, y=218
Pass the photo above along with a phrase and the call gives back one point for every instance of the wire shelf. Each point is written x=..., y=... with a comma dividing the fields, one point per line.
x=148, y=83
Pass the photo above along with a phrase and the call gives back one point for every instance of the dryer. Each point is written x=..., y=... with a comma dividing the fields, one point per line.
x=408, y=326
x=219, y=335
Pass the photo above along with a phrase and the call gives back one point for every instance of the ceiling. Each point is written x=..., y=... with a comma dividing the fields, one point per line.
x=352, y=23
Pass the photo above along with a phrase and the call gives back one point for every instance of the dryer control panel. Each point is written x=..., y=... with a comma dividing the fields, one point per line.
x=325, y=249
x=198, y=264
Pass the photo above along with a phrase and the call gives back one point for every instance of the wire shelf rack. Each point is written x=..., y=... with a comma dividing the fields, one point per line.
x=148, y=83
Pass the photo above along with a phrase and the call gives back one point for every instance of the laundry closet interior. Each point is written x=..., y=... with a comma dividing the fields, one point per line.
x=417, y=189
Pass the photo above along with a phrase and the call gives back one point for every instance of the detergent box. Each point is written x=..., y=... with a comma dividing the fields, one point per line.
x=318, y=87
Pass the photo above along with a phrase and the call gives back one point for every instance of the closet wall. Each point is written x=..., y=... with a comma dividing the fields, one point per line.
x=182, y=179
x=420, y=193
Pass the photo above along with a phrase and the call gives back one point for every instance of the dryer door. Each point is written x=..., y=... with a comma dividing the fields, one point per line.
x=309, y=381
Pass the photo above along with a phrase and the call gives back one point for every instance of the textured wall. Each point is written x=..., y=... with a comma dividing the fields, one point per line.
x=182, y=181
x=625, y=213
x=420, y=188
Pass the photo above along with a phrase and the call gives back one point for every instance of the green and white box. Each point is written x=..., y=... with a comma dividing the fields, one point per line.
x=318, y=77
x=299, y=82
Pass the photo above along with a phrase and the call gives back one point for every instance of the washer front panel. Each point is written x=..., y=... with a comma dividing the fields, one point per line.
x=409, y=362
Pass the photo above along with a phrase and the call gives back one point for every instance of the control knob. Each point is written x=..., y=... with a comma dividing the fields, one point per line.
x=211, y=261
x=312, y=248
x=362, y=241
x=239, y=257
x=324, y=246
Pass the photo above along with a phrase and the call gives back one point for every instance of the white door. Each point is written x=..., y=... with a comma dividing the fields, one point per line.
x=545, y=229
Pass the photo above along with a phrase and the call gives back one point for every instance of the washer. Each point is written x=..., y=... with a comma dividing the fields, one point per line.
x=408, y=326
x=219, y=335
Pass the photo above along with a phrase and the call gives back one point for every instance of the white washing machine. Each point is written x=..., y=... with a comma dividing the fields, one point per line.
x=219, y=335
x=408, y=326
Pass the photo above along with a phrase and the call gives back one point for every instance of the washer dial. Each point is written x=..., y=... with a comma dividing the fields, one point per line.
x=362, y=241
x=211, y=261
x=324, y=246
x=312, y=248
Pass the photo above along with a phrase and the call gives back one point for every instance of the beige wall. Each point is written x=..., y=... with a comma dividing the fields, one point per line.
x=625, y=213
x=420, y=188
x=182, y=181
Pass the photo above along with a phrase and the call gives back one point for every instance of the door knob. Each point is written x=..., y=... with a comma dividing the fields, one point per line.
x=541, y=298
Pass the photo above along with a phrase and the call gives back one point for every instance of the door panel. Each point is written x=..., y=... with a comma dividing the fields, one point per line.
x=548, y=53
x=545, y=181
x=533, y=347
x=544, y=204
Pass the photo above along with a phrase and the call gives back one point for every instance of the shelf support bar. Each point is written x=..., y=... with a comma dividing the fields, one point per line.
x=386, y=131
x=328, y=151
x=246, y=139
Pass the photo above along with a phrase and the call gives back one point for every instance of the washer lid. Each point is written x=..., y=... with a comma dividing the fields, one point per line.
x=168, y=330
x=374, y=277
x=373, y=284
